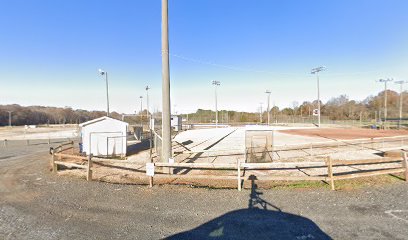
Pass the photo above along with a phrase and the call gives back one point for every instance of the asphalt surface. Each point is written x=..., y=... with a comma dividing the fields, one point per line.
x=37, y=204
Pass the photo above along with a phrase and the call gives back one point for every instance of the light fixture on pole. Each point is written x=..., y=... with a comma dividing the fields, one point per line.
x=385, y=97
x=216, y=83
x=316, y=71
x=9, y=112
x=104, y=73
x=269, y=95
x=400, y=101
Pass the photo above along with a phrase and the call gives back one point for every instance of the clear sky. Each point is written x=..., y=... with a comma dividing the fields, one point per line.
x=50, y=51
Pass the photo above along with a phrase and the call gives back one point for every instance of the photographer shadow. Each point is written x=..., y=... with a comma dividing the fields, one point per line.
x=261, y=220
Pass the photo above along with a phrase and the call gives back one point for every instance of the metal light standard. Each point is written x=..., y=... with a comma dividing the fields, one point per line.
x=385, y=98
x=107, y=89
x=141, y=111
x=269, y=95
x=400, y=102
x=316, y=71
x=147, y=101
x=216, y=83
x=9, y=112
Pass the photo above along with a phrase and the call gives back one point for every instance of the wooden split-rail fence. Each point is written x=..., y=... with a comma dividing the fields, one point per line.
x=66, y=151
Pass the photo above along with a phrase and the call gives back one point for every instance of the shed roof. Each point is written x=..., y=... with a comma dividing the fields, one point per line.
x=100, y=120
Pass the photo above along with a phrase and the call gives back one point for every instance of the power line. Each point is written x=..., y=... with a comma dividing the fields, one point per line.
x=235, y=68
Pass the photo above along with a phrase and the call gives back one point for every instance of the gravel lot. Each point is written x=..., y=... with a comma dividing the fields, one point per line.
x=36, y=204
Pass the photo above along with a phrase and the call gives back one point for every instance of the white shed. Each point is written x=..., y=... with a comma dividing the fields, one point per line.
x=104, y=136
x=176, y=122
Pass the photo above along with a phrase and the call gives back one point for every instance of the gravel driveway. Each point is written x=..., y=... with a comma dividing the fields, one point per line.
x=36, y=204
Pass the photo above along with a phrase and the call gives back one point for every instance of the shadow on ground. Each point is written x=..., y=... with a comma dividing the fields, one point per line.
x=261, y=220
x=138, y=147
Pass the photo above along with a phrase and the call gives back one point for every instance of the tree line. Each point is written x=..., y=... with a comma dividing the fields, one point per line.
x=337, y=108
x=36, y=115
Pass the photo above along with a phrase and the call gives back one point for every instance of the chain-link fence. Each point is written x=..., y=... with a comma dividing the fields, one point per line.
x=258, y=146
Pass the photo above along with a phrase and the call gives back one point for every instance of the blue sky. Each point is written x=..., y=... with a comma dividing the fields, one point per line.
x=50, y=51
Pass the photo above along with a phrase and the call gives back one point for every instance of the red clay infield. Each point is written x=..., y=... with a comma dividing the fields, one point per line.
x=345, y=133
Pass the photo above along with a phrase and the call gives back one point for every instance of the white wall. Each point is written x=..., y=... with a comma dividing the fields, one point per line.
x=107, y=136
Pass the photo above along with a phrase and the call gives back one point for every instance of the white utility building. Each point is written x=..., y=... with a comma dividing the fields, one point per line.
x=176, y=122
x=104, y=136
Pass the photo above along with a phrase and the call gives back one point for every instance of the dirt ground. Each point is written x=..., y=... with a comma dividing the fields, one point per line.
x=38, y=204
x=345, y=133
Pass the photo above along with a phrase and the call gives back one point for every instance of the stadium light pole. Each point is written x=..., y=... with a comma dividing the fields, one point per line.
x=216, y=83
x=147, y=101
x=107, y=89
x=385, y=98
x=166, y=126
x=9, y=112
x=269, y=95
x=141, y=111
x=316, y=71
x=400, y=101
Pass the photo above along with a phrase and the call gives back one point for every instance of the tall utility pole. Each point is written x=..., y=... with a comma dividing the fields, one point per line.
x=107, y=90
x=269, y=95
x=147, y=102
x=141, y=111
x=216, y=83
x=166, y=127
x=9, y=112
x=385, y=98
x=316, y=71
x=400, y=102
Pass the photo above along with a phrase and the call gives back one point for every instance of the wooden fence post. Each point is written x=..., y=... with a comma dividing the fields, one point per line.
x=330, y=172
x=88, y=169
x=53, y=164
x=239, y=174
x=405, y=164
x=150, y=145
x=72, y=150
x=150, y=181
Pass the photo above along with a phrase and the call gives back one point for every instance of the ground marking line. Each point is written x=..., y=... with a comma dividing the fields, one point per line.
x=391, y=213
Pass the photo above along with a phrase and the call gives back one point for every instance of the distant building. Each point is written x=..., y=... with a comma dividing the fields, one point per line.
x=104, y=136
